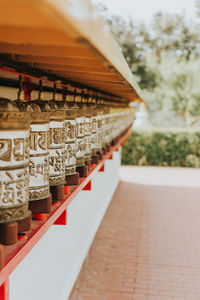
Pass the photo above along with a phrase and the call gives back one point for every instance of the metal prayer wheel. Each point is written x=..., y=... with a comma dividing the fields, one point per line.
x=88, y=132
x=39, y=159
x=80, y=143
x=39, y=191
x=113, y=128
x=107, y=130
x=110, y=121
x=103, y=128
x=70, y=141
x=105, y=140
x=56, y=147
x=94, y=136
x=14, y=171
x=71, y=175
x=99, y=132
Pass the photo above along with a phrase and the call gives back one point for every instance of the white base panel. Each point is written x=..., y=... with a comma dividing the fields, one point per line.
x=50, y=270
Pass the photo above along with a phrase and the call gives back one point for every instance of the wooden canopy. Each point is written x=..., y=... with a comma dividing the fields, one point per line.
x=69, y=39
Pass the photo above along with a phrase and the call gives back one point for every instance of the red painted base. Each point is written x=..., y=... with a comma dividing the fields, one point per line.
x=104, y=150
x=107, y=148
x=100, y=154
x=9, y=231
x=72, y=179
x=95, y=159
x=57, y=192
x=40, y=206
x=83, y=171
x=25, y=224
x=88, y=164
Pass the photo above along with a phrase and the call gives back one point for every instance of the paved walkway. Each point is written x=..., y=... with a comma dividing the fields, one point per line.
x=148, y=245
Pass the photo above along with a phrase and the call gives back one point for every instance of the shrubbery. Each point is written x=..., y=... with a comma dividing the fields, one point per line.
x=176, y=148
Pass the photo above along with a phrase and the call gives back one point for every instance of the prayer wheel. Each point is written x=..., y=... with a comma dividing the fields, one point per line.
x=88, y=132
x=94, y=136
x=14, y=171
x=81, y=167
x=56, y=146
x=39, y=191
x=107, y=128
x=99, y=132
x=103, y=131
x=71, y=176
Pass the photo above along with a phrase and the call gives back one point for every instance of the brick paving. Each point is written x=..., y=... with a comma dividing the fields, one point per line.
x=148, y=245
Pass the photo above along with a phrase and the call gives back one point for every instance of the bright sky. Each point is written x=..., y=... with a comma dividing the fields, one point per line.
x=145, y=9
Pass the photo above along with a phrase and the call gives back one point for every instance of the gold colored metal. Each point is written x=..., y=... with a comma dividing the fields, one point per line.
x=80, y=137
x=56, y=142
x=39, y=153
x=69, y=135
x=88, y=132
x=14, y=159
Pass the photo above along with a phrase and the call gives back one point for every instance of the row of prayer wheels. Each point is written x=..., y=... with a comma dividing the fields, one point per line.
x=45, y=145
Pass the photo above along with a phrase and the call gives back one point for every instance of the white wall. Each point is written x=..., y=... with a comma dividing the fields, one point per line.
x=49, y=271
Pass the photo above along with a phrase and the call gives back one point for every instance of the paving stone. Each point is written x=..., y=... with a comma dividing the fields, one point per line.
x=148, y=244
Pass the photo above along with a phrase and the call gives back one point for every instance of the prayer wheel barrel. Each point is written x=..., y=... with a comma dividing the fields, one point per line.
x=14, y=172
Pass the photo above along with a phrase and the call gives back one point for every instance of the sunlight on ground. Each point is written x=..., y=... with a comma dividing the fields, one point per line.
x=186, y=177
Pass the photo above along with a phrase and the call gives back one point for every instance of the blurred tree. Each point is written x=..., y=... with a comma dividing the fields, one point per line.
x=134, y=41
x=164, y=57
x=178, y=93
x=172, y=35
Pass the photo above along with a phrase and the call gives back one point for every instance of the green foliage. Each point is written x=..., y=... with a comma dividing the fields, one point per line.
x=175, y=148
x=177, y=95
x=165, y=59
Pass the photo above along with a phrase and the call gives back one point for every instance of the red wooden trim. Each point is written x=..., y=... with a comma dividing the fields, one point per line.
x=14, y=254
x=88, y=186
x=4, y=290
x=111, y=156
x=62, y=219
x=102, y=168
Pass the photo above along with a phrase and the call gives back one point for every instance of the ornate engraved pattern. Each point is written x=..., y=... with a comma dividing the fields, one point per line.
x=70, y=170
x=80, y=141
x=40, y=117
x=58, y=115
x=13, y=213
x=39, y=153
x=57, y=180
x=14, y=157
x=88, y=157
x=37, y=195
x=14, y=120
x=80, y=162
x=57, y=152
